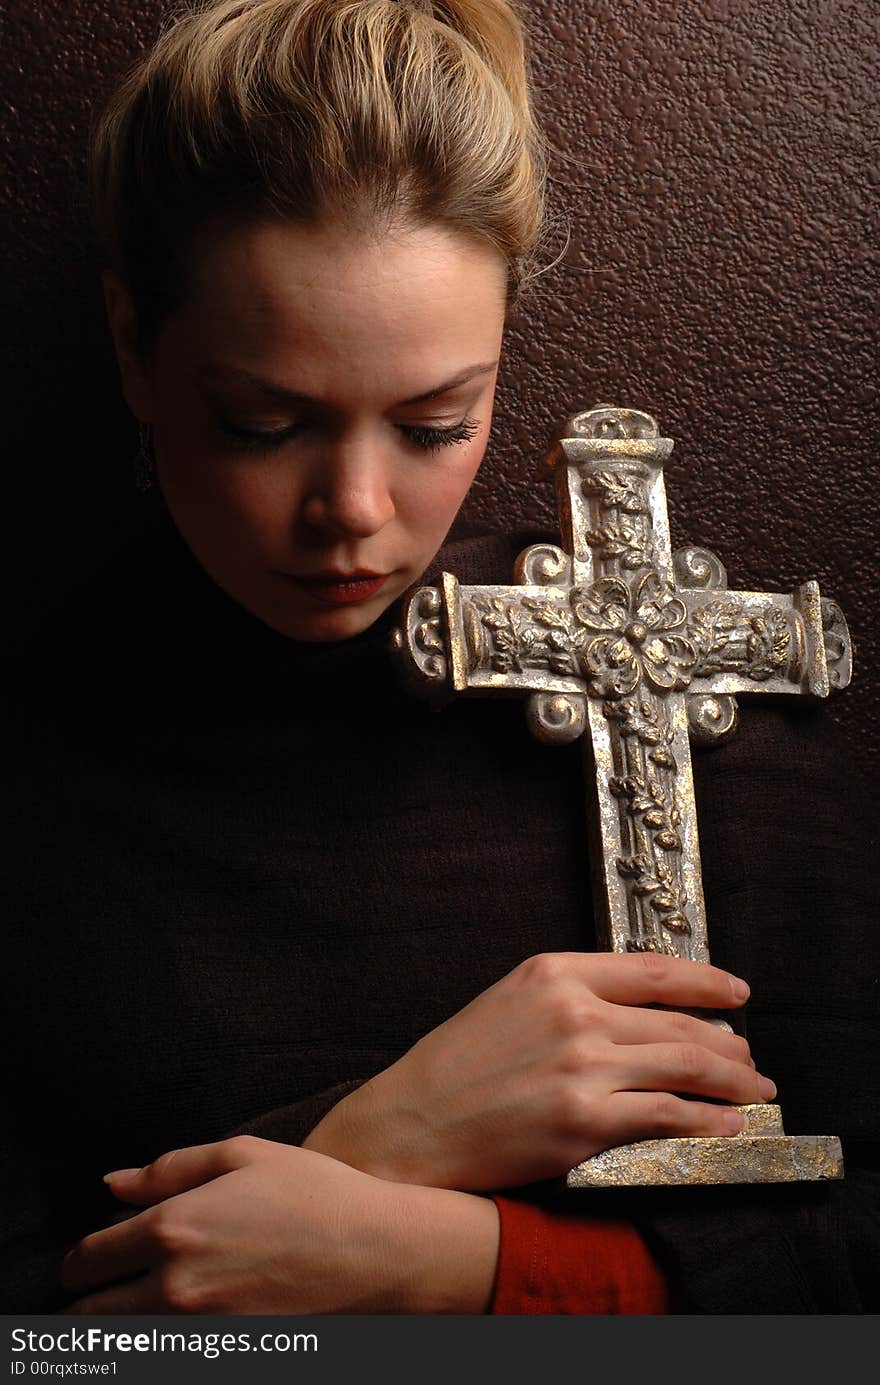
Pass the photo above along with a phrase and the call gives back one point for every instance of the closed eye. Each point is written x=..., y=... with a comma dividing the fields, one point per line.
x=425, y=438
x=429, y=439
x=257, y=439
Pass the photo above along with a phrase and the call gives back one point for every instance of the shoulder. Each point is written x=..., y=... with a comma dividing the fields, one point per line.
x=76, y=640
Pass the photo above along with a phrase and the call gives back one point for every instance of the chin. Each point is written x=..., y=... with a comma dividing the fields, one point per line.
x=323, y=627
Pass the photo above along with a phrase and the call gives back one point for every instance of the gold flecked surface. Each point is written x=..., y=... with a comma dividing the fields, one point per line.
x=706, y=1160
x=764, y=1118
x=623, y=643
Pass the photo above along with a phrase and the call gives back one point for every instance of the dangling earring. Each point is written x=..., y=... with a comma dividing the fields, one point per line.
x=145, y=461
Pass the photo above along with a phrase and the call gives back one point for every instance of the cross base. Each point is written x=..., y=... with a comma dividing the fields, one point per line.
x=762, y=1153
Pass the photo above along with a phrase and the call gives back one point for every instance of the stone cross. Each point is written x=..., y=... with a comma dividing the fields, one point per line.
x=614, y=634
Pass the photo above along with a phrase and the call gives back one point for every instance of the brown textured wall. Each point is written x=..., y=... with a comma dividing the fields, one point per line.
x=716, y=162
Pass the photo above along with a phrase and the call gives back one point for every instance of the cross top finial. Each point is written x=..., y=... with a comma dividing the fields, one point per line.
x=607, y=432
x=611, y=422
x=613, y=635
x=619, y=641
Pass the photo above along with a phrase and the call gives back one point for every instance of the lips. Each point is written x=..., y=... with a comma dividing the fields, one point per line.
x=335, y=588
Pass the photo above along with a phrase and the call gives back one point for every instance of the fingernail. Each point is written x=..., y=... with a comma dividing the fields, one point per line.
x=120, y=1175
x=740, y=989
x=766, y=1088
x=733, y=1121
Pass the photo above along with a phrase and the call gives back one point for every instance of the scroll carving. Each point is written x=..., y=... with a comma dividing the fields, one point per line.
x=616, y=640
x=641, y=645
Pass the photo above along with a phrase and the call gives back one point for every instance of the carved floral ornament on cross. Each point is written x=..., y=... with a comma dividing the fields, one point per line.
x=618, y=634
x=614, y=635
x=636, y=634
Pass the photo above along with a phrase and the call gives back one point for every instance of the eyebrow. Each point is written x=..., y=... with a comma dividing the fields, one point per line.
x=293, y=397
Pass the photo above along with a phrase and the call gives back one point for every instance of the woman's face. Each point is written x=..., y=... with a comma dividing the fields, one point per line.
x=320, y=405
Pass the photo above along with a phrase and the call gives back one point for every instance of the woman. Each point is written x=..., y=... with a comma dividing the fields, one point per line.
x=321, y=951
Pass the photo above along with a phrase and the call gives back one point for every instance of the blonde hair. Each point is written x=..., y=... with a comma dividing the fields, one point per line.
x=416, y=110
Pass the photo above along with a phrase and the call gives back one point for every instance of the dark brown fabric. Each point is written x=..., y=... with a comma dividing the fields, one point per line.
x=243, y=874
x=715, y=162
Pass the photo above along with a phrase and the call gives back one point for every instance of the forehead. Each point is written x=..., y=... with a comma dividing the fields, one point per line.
x=410, y=301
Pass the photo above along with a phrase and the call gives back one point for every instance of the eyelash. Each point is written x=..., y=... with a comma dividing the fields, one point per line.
x=427, y=439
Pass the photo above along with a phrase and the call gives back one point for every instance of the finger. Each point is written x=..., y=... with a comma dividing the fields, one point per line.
x=120, y=1251
x=142, y=1295
x=646, y=978
x=180, y=1170
x=689, y=1068
x=634, y=1116
x=627, y=1024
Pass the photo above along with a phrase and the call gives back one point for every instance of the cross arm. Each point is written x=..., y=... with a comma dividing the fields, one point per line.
x=618, y=641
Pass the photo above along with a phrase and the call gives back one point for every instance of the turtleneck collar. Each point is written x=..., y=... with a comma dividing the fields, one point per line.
x=191, y=610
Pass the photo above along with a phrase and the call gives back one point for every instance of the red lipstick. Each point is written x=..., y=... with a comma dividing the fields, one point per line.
x=335, y=588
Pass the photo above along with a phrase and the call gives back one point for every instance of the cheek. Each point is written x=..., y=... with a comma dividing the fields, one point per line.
x=431, y=506
x=229, y=503
x=454, y=479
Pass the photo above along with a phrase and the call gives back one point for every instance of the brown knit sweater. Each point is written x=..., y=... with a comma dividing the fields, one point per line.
x=246, y=874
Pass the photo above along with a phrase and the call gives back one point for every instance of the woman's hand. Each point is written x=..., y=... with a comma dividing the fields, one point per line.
x=249, y=1226
x=555, y=1062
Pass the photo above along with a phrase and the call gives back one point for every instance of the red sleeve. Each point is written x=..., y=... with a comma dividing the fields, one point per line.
x=561, y=1262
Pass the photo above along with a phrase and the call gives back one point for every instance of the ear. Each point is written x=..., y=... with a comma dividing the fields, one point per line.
x=133, y=367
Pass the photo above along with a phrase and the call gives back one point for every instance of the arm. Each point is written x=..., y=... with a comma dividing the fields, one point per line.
x=243, y=1225
x=568, y=1054
x=768, y=1247
x=563, y=1261
x=248, y=1226
x=789, y=840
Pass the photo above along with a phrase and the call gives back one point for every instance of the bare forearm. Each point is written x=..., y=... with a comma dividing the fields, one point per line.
x=249, y=1226
x=357, y=1131
x=568, y=1054
x=452, y=1242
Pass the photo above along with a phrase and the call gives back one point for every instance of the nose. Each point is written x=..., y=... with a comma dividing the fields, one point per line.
x=349, y=492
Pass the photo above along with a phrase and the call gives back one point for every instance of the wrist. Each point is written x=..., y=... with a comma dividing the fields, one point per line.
x=368, y=1131
x=449, y=1242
